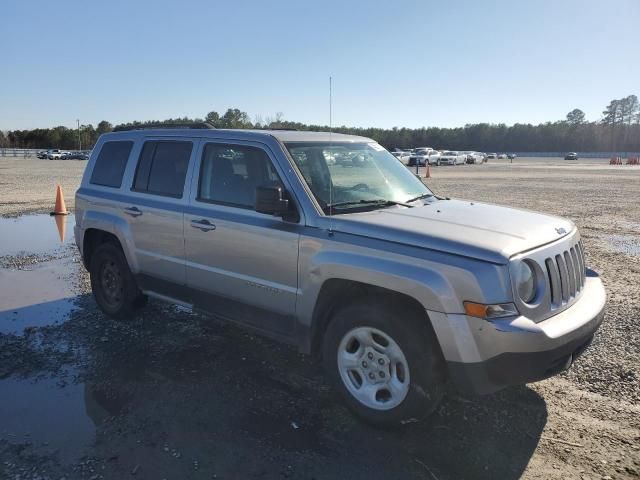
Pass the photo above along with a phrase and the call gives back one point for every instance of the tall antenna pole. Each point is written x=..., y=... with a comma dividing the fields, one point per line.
x=330, y=105
x=330, y=179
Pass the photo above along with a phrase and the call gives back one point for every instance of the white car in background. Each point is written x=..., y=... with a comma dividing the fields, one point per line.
x=401, y=155
x=419, y=156
x=492, y=155
x=452, y=157
x=474, y=157
x=434, y=157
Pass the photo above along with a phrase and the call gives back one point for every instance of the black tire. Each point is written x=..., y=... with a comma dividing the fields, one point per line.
x=408, y=328
x=113, y=284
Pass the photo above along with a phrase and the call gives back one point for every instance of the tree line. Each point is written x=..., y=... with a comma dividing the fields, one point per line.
x=617, y=130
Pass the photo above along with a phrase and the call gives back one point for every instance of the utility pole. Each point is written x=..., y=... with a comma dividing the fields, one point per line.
x=79, y=141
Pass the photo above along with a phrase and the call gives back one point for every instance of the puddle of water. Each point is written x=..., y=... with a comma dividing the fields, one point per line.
x=627, y=244
x=41, y=296
x=51, y=418
x=56, y=416
x=35, y=234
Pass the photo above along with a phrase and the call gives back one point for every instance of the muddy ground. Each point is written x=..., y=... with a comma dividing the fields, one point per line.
x=175, y=395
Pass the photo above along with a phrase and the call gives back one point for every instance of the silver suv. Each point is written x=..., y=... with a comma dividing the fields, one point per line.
x=396, y=290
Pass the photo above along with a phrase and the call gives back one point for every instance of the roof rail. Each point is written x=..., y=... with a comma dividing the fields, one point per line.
x=149, y=126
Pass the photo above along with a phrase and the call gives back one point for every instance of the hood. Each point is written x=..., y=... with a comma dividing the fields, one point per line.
x=472, y=229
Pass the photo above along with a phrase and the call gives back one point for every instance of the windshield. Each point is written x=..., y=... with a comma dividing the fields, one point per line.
x=354, y=174
x=451, y=153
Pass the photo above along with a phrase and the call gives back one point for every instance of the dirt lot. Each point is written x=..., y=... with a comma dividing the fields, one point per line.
x=176, y=395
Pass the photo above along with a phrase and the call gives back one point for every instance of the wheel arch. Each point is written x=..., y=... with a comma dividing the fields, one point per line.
x=99, y=227
x=338, y=292
x=93, y=238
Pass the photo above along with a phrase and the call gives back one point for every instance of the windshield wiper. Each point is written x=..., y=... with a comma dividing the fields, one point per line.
x=376, y=202
x=424, y=195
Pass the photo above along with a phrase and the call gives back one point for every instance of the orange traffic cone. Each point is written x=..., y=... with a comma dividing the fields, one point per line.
x=60, y=208
x=428, y=172
x=61, y=224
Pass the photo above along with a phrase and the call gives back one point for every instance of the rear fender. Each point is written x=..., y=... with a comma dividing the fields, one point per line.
x=118, y=227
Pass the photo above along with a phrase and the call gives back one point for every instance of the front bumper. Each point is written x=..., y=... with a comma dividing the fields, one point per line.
x=484, y=356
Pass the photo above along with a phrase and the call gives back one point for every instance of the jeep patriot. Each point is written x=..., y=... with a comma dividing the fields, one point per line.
x=328, y=242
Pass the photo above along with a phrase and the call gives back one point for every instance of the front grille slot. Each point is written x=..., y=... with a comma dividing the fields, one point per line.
x=566, y=275
x=571, y=273
x=564, y=283
x=554, y=282
x=580, y=252
x=576, y=268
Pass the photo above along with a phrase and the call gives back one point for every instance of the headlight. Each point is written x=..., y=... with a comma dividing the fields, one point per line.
x=525, y=282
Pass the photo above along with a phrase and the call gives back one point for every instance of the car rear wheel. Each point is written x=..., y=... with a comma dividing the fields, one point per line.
x=112, y=282
x=384, y=361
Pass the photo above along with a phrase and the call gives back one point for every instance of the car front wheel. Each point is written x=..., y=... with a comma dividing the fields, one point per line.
x=385, y=362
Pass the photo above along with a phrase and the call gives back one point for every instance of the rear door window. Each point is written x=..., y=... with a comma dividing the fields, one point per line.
x=162, y=168
x=110, y=164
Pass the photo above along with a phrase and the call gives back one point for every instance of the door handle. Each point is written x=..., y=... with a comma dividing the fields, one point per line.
x=133, y=211
x=204, y=225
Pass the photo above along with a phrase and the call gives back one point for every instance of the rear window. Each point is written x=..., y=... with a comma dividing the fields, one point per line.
x=162, y=168
x=110, y=164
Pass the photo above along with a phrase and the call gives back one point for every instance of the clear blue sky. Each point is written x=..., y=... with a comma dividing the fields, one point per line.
x=394, y=63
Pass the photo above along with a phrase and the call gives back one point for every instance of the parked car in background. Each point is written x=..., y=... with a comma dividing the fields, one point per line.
x=571, y=156
x=492, y=155
x=55, y=154
x=434, y=157
x=420, y=156
x=401, y=155
x=452, y=157
x=502, y=156
x=474, y=157
x=41, y=154
x=511, y=156
x=75, y=156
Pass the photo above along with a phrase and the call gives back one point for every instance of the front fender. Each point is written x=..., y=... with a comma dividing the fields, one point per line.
x=438, y=281
x=428, y=287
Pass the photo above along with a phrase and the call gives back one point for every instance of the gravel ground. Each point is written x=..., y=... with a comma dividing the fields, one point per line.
x=172, y=394
x=28, y=185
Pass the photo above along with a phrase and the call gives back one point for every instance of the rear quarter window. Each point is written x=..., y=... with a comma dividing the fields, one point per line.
x=110, y=164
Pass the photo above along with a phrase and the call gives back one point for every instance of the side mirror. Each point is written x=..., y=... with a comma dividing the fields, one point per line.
x=271, y=200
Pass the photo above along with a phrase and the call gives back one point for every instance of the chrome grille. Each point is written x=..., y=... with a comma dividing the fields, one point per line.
x=566, y=275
